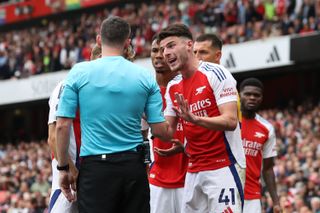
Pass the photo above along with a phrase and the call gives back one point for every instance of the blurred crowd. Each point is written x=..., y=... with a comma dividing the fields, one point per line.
x=58, y=44
x=25, y=169
x=25, y=177
x=297, y=166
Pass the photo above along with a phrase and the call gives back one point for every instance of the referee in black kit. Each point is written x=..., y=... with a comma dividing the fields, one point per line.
x=111, y=93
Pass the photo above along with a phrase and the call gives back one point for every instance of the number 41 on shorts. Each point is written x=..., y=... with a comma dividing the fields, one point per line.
x=226, y=196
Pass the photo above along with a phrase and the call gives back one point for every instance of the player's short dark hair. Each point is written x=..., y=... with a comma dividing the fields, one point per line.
x=155, y=37
x=251, y=82
x=114, y=31
x=179, y=30
x=215, y=40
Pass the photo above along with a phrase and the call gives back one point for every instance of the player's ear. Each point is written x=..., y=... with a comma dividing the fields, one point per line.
x=218, y=55
x=98, y=40
x=190, y=45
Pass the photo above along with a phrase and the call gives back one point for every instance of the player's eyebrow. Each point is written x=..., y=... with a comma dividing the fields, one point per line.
x=163, y=46
x=170, y=42
x=155, y=49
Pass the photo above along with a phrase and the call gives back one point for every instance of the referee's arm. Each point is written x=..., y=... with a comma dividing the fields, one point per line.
x=164, y=130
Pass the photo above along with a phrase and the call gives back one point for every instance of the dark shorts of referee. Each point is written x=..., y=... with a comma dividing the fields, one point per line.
x=113, y=183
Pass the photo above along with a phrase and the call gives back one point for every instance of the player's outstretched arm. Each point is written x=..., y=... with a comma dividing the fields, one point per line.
x=270, y=180
x=227, y=121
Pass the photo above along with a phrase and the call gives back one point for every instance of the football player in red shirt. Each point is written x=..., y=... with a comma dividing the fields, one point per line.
x=259, y=141
x=204, y=96
x=168, y=170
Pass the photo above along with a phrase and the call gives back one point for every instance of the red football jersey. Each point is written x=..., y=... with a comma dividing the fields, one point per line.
x=258, y=138
x=168, y=172
x=210, y=86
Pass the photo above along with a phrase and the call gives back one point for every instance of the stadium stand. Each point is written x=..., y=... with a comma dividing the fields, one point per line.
x=25, y=177
x=54, y=45
x=297, y=165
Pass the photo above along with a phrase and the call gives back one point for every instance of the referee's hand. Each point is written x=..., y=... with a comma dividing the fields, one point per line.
x=66, y=180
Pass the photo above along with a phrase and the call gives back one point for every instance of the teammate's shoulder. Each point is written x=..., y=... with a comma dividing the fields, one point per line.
x=209, y=66
x=204, y=64
x=215, y=70
x=55, y=93
x=264, y=122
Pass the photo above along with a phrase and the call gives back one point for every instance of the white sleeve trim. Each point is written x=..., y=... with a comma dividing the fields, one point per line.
x=53, y=104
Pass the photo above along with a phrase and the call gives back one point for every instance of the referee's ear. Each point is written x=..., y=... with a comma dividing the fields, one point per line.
x=98, y=40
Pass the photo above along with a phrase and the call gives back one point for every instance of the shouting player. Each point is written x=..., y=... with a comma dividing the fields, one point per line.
x=205, y=97
x=168, y=169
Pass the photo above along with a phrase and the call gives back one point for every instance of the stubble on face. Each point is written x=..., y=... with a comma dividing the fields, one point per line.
x=251, y=98
x=175, y=52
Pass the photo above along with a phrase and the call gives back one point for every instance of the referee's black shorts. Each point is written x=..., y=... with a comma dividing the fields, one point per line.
x=115, y=183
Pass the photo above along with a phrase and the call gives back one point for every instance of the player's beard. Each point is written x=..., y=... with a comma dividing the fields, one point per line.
x=182, y=61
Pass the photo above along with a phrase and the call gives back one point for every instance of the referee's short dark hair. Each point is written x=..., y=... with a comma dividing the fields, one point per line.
x=251, y=82
x=179, y=30
x=215, y=40
x=114, y=31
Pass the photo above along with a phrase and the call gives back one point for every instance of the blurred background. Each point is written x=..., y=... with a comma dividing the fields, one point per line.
x=276, y=41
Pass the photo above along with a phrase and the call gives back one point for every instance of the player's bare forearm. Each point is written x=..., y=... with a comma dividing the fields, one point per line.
x=270, y=180
x=63, y=136
x=53, y=147
x=52, y=138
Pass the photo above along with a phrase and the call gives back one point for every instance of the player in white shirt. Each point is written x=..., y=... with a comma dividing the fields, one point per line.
x=58, y=202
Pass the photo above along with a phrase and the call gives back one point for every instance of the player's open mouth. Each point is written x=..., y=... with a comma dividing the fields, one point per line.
x=171, y=61
x=158, y=63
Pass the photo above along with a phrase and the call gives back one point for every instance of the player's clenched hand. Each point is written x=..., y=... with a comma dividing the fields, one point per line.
x=177, y=147
x=183, y=110
x=66, y=181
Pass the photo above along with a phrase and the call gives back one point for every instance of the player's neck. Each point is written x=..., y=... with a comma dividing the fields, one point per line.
x=190, y=67
x=164, y=78
x=248, y=114
x=111, y=51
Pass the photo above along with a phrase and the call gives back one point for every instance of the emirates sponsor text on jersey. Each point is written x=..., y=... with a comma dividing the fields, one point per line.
x=198, y=108
x=251, y=148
